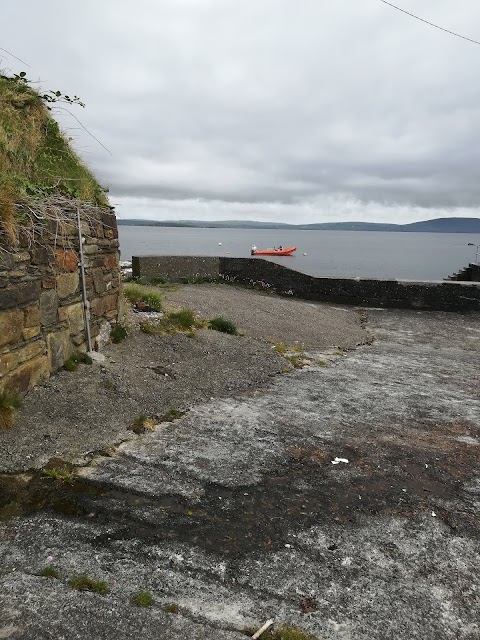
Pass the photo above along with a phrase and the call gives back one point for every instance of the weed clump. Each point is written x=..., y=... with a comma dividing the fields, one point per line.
x=182, y=321
x=84, y=583
x=143, y=297
x=142, y=599
x=172, y=414
x=64, y=475
x=71, y=363
x=141, y=424
x=9, y=403
x=49, y=572
x=118, y=333
x=222, y=324
x=171, y=608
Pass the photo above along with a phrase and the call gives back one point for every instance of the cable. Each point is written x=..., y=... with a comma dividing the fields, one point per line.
x=430, y=23
x=19, y=59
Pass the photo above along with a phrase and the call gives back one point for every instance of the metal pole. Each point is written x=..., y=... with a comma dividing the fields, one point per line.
x=81, y=264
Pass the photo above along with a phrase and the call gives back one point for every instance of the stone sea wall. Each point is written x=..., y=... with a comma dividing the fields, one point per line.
x=41, y=305
x=263, y=274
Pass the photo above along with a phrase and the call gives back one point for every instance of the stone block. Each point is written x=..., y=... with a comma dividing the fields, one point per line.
x=15, y=357
x=11, y=326
x=90, y=249
x=8, y=297
x=111, y=261
x=79, y=342
x=27, y=375
x=22, y=256
x=7, y=362
x=31, y=316
x=100, y=306
x=42, y=255
x=7, y=261
x=30, y=332
x=72, y=314
x=48, y=307
x=67, y=260
x=98, y=280
x=67, y=284
x=28, y=292
x=59, y=349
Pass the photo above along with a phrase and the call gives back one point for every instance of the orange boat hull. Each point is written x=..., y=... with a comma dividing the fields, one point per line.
x=274, y=252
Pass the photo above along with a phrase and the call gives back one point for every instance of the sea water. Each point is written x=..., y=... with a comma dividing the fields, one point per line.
x=365, y=254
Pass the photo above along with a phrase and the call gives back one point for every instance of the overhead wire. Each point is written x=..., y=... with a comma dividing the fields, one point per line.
x=453, y=33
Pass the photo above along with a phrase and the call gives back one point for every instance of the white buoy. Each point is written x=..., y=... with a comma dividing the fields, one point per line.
x=304, y=254
x=219, y=244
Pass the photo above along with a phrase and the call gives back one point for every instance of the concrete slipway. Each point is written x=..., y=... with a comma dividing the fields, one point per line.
x=237, y=513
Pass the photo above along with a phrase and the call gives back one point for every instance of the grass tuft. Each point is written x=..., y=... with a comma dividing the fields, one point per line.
x=171, y=608
x=183, y=319
x=118, y=333
x=49, y=572
x=64, y=475
x=222, y=324
x=172, y=414
x=10, y=401
x=141, y=424
x=142, y=599
x=143, y=297
x=71, y=363
x=84, y=583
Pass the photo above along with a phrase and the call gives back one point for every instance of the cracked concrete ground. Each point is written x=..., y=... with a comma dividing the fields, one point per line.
x=236, y=513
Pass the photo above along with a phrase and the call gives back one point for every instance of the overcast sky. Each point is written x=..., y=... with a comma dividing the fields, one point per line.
x=282, y=110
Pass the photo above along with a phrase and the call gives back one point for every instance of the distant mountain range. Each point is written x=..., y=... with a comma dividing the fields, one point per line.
x=438, y=225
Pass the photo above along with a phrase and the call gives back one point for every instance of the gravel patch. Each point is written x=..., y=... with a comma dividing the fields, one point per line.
x=266, y=316
x=76, y=413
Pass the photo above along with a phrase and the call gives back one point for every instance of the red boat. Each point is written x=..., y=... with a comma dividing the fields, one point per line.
x=273, y=252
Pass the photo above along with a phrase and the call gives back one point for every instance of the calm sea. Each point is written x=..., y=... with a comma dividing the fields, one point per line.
x=422, y=256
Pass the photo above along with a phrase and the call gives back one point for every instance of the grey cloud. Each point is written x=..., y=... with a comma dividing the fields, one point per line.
x=210, y=104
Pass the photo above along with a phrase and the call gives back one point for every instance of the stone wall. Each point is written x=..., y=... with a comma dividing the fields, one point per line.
x=176, y=268
x=41, y=305
x=263, y=274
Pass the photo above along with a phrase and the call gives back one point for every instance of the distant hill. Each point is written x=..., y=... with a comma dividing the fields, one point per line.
x=438, y=225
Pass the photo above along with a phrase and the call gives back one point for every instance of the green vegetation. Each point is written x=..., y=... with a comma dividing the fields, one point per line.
x=142, y=599
x=171, y=608
x=84, y=583
x=118, y=333
x=9, y=403
x=71, y=363
x=142, y=423
x=35, y=158
x=222, y=324
x=64, y=475
x=282, y=633
x=49, y=572
x=184, y=321
x=143, y=296
x=172, y=414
